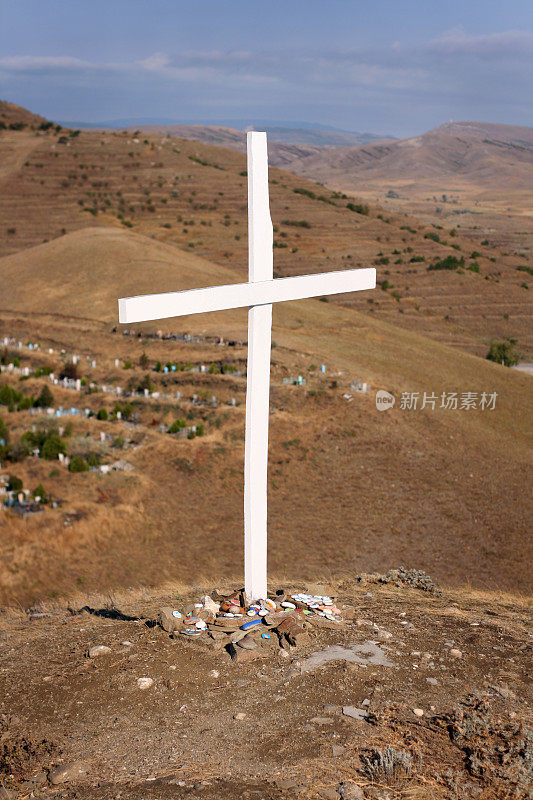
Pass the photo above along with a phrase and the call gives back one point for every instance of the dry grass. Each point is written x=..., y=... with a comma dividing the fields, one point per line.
x=351, y=489
x=96, y=169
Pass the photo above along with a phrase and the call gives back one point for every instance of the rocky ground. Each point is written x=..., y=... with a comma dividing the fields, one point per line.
x=416, y=694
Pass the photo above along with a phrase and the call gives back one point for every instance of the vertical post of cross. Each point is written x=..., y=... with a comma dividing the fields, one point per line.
x=260, y=268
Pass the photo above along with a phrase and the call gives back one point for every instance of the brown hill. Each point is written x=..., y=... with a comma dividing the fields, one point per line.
x=193, y=197
x=482, y=156
x=11, y=114
x=409, y=486
x=82, y=274
x=476, y=176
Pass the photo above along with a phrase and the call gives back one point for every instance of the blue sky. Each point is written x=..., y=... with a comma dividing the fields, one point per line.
x=387, y=66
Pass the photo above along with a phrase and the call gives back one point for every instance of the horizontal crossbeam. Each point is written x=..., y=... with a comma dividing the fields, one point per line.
x=239, y=295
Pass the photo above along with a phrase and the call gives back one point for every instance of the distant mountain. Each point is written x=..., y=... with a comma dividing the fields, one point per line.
x=475, y=156
x=310, y=133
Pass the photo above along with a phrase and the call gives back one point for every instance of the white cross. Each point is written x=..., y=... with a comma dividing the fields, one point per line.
x=258, y=294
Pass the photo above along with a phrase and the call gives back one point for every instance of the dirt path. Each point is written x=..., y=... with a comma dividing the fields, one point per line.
x=15, y=151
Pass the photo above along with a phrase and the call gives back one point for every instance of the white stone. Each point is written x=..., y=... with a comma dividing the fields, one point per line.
x=99, y=650
x=144, y=683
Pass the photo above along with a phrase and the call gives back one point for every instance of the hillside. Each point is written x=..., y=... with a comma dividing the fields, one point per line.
x=479, y=154
x=82, y=274
x=193, y=196
x=474, y=175
x=13, y=115
x=350, y=486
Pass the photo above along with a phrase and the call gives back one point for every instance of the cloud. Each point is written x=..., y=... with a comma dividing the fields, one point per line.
x=44, y=63
x=457, y=74
x=156, y=62
x=457, y=40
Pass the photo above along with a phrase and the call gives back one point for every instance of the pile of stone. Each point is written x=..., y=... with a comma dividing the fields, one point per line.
x=416, y=578
x=249, y=630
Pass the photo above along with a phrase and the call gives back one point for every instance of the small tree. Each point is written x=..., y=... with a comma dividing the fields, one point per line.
x=102, y=414
x=503, y=353
x=143, y=360
x=177, y=425
x=53, y=446
x=70, y=370
x=78, y=464
x=14, y=484
x=45, y=398
x=39, y=491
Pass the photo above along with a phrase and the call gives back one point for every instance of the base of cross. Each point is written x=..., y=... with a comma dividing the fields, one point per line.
x=225, y=621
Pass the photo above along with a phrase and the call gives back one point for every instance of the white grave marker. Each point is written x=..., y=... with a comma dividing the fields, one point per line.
x=258, y=294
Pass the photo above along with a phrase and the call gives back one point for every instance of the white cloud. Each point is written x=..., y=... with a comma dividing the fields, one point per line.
x=457, y=40
x=156, y=62
x=44, y=63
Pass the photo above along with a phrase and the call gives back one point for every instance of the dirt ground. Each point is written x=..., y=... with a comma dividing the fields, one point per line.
x=275, y=726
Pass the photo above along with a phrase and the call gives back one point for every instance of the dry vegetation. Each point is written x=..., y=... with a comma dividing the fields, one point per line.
x=193, y=196
x=350, y=487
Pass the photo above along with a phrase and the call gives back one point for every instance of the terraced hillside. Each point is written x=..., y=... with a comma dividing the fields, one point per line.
x=193, y=196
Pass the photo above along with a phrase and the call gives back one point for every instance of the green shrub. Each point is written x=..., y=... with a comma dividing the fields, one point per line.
x=177, y=425
x=297, y=223
x=503, y=352
x=450, y=262
x=9, y=396
x=53, y=446
x=305, y=192
x=127, y=411
x=102, y=414
x=78, y=464
x=93, y=459
x=25, y=404
x=416, y=259
x=146, y=383
x=14, y=484
x=359, y=208
x=433, y=236
x=474, y=267
x=40, y=491
x=45, y=398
